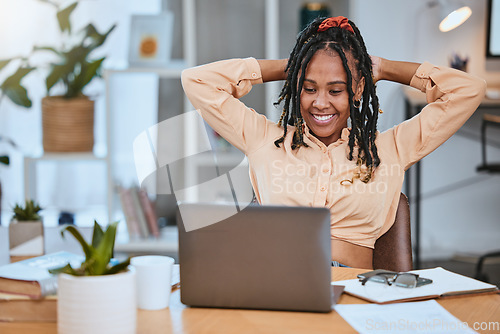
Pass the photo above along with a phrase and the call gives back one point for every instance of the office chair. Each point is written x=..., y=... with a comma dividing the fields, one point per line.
x=492, y=168
x=392, y=250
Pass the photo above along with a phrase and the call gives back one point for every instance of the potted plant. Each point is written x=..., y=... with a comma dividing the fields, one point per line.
x=68, y=118
x=100, y=296
x=26, y=230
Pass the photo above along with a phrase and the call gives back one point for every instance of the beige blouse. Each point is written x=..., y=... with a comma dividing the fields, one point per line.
x=321, y=175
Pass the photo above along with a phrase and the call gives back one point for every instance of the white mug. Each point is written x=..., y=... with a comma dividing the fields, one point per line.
x=153, y=281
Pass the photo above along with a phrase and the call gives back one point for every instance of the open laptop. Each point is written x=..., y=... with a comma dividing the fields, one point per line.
x=263, y=257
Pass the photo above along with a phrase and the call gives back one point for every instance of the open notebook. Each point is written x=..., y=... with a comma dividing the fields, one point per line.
x=445, y=283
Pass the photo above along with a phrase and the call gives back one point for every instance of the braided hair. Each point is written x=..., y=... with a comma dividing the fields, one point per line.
x=363, y=116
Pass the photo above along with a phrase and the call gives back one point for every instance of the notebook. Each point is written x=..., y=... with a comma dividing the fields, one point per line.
x=263, y=257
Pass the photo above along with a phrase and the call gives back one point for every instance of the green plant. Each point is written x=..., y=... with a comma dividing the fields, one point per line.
x=4, y=159
x=98, y=254
x=74, y=67
x=27, y=213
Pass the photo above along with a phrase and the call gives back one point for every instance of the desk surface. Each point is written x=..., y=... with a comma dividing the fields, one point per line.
x=181, y=319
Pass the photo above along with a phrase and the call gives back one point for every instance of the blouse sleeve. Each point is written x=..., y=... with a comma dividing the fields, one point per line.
x=214, y=90
x=452, y=97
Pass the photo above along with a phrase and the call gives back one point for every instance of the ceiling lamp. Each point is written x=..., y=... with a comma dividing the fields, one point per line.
x=453, y=14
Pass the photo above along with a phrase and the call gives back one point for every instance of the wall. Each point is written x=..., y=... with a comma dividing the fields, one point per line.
x=460, y=208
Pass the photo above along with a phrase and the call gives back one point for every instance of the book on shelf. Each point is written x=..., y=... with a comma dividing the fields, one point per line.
x=445, y=284
x=140, y=214
x=149, y=213
x=21, y=308
x=31, y=277
x=141, y=217
x=129, y=212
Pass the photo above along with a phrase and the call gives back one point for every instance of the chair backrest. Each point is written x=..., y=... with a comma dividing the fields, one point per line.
x=393, y=249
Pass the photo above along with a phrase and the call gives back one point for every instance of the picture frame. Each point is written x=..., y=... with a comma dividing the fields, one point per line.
x=151, y=40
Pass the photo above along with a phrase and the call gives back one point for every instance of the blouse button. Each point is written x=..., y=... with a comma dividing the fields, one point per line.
x=326, y=170
x=254, y=75
x=323, y=188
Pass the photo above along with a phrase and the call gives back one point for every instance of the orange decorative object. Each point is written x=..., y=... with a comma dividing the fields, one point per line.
x=148, y=47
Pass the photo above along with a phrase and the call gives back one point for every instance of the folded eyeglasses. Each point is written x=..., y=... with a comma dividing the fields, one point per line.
x=402, y=279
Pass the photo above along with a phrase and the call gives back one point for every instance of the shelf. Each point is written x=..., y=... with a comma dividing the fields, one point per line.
x=69, y=156
x=226, y=159
x=166, y=243
x=174, y=70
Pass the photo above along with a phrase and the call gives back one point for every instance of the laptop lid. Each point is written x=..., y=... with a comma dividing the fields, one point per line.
x=263, y=257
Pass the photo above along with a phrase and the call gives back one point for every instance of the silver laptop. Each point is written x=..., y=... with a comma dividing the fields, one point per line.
x=263, y=257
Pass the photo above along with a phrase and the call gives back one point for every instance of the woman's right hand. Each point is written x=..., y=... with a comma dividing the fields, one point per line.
x=273, y=69
x=376, y=68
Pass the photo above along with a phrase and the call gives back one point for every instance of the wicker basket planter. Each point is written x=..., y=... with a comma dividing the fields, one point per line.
x=68, y=124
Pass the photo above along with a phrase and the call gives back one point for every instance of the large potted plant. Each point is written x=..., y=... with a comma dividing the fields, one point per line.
x=100, y=296
x=26, y=230
x=68, y=118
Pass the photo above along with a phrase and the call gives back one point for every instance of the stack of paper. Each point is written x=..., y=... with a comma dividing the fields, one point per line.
x=416, y=317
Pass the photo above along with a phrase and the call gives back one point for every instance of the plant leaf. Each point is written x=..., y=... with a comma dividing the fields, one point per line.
x=87, y=249
x=4, y=159
x=88, y=72
x=16, y=78
x=47, y=48
x=97, y=235
x=63, y=17
x=4, y=63
x=58, y=73
x=105, y=248
x=18, y=94
x=96, y=38
x=118, y=267
x=67, y=269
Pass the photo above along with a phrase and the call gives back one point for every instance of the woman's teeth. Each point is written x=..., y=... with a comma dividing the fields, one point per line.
x=322, y=118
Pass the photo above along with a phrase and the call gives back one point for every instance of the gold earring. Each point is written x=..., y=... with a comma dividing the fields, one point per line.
x=356, y=103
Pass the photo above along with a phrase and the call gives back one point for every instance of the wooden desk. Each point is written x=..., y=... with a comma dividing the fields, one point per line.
x=181, y=319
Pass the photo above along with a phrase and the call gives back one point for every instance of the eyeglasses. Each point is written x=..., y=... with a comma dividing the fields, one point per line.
x=404, y=280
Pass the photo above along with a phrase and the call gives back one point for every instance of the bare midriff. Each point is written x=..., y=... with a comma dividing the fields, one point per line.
x=352, y=255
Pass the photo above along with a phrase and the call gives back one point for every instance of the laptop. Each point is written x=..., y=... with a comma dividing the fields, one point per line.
x=263, y=257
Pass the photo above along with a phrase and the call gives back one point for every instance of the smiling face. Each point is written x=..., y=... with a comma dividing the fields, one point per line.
x=324, y=100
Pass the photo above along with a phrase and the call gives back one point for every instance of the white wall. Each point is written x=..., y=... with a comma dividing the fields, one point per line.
x=465, y=219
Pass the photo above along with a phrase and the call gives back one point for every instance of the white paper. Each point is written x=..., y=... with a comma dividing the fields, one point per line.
x=415, y=317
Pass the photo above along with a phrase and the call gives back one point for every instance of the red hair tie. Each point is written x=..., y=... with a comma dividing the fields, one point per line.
x=339, y=21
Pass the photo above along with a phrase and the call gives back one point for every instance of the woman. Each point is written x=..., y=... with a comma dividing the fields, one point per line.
x=313, y=156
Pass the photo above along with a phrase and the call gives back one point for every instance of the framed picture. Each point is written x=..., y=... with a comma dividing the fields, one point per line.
x=151, y=40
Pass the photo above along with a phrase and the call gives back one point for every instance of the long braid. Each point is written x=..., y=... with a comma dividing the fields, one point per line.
x=363, y=119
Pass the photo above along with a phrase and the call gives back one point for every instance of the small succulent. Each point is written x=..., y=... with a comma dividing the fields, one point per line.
x=27, y=213
x=98, y=255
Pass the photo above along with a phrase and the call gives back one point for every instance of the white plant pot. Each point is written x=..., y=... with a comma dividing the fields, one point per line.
x=97, y=304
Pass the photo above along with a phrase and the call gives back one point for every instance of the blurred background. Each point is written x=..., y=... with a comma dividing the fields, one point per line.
x=459, y=211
